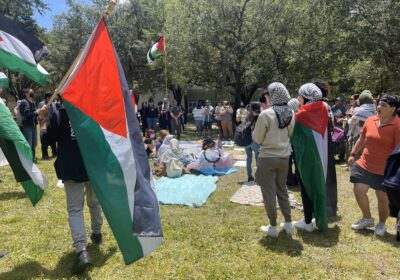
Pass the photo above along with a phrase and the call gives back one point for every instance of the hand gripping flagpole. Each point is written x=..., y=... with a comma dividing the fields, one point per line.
x=109, y=9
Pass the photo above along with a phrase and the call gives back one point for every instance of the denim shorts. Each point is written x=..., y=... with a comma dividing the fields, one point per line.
x=360, y=175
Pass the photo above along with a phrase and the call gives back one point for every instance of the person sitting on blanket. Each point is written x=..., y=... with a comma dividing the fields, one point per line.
x=172, y=158
x=212, y=160
x=160, y=139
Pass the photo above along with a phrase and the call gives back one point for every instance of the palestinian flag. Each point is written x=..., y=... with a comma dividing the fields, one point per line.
x=19, y=155
x=4, y=82
x=20, y=51
x=310, y=144
x=156, y=50
x=99, y=106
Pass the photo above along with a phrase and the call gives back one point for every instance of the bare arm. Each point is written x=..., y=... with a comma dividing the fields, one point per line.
x=356, y=149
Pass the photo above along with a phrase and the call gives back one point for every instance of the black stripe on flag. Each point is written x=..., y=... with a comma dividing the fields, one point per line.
x=12, y=157
x=17, y=30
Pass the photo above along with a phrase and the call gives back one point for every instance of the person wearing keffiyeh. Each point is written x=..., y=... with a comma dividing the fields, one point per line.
x=272, y=131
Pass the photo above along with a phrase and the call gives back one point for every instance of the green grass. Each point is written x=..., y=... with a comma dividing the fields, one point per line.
x=220, y=240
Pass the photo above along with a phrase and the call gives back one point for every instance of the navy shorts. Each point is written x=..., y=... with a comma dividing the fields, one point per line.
x=360, y=175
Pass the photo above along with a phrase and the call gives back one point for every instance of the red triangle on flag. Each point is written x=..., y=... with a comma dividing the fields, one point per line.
x=313, y=116
x=95, y=89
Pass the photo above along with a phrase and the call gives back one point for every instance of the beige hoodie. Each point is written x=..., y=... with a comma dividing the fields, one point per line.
x=275, y=142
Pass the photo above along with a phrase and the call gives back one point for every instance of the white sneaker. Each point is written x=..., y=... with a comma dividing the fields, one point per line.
x=270, y=230
x=380, y=229
x=303, y=226
x=363, y=223
x=288, y=227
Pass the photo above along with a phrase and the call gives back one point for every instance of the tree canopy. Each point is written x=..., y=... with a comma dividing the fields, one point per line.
x=235, y=46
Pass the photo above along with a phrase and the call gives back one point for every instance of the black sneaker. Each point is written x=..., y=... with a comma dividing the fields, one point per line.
x=82, y=262
x=96, y=238
x=251, y=179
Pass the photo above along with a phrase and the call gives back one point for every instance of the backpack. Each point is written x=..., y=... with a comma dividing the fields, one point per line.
x=243, y=136
x=17, y=113
x=392, y=170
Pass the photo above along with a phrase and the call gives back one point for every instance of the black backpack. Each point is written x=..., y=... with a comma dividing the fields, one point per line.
x=243, y=135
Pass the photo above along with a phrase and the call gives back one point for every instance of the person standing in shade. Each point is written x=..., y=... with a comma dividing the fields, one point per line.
x=252, y=115
x=273, y=129
x=241, y=114
x=175, y=116
x=164, y=119
x=198, y=116
x=217, y=111
x=379, y=136
x=151, y=115
x=226, y=113
x=27, y=109
x=143, y=116
x=208, y=118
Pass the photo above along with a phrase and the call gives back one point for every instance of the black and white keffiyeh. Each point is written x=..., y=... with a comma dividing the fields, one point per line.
x=279, y=97
x=310, y=92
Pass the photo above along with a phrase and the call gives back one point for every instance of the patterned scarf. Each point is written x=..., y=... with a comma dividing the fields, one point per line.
x=279, y=97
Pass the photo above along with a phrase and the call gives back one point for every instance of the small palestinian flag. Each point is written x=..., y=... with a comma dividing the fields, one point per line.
x=156, y=50
x=20, y=51
x=19, y=155
x=4, y=82
x=310, y=144
x=100, y=108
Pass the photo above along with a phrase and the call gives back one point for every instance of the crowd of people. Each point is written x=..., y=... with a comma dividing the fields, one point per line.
x=276, y=132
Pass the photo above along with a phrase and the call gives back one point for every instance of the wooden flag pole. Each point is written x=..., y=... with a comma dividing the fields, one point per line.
x=109, y=9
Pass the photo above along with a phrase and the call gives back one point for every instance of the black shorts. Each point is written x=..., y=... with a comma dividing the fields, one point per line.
x=207, y=125
x=360, y=175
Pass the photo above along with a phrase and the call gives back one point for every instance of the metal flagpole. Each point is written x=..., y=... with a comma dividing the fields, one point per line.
x=165, y=66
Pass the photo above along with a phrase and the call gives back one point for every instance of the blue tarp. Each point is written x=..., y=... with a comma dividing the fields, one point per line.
x=190, y=190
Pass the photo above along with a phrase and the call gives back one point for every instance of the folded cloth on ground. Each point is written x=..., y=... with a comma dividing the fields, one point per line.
x=251, y=195
x=190, y=190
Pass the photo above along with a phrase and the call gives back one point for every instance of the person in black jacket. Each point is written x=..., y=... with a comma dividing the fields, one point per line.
x=71, y=170
x=27, y=109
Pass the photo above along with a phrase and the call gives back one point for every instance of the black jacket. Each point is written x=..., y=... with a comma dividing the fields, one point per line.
x=27, y=110
x=69, y=164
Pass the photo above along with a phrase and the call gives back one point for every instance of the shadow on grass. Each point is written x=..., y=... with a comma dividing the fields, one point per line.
x=33, y=269
x=285, y=245
x=328, y=239
x=12, y=195
x=387, y=238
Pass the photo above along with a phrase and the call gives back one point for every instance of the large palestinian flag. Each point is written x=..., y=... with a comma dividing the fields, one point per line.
x=310, y=143
x=99, y=106
x=156, y=50
x=19, y=155
x=20, y=51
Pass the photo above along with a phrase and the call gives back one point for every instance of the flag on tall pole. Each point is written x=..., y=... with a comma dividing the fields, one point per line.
x=4, y=82
x=19, y=155
x=156, y=50
x=20, y=51
x=99, y=105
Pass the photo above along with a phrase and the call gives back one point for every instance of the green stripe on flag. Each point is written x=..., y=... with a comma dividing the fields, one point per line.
x=14, y=146
x=15, y=63
x=107, y=179
x=311, y=171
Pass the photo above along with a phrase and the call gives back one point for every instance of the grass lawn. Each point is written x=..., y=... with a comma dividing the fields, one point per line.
x=220, y=240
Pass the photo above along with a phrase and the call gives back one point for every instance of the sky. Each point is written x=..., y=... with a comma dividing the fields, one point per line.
x=57, y=7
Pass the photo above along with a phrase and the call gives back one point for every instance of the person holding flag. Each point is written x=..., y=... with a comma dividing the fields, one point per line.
x=71, y=170
x=310, y=144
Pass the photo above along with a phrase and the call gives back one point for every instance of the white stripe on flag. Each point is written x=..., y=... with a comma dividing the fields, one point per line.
x=149, y=244
x=122, y=149
x=34, y=172
x=322, y=146
x=14, y=46
x=3, y=76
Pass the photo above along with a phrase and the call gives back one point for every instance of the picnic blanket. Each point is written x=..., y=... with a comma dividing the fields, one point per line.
x=251, y=195
x=190, y=190
x=191, y=147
